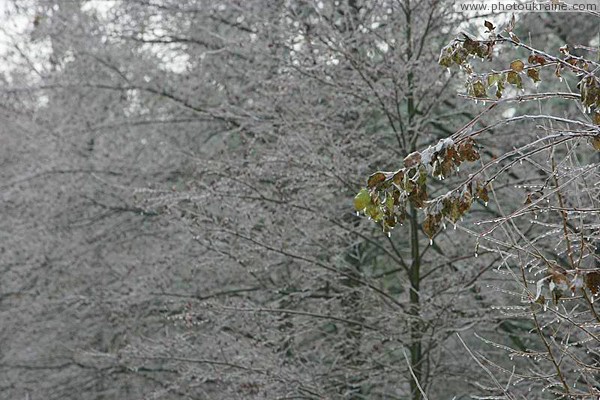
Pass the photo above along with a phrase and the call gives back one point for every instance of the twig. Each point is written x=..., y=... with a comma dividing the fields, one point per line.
x=414, y=376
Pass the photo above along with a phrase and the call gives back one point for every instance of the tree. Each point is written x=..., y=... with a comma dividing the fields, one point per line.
x=80, y=260
x=547, y=242
x=244, y=124
x=185, y=172
x=275, y=212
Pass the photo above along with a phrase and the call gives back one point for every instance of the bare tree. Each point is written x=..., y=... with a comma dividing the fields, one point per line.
x=341, y=89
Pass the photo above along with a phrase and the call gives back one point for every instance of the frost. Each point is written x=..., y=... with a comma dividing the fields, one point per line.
x=427, y=154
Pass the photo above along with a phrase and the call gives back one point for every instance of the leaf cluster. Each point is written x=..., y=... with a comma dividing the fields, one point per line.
x=387, y=195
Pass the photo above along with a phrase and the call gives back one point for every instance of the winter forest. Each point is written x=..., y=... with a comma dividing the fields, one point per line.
x=299, y=199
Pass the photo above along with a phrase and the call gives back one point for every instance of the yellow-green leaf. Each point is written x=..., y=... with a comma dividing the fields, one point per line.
x=514, y=79
x=374, y=212
x=362, y=200
x=479, y=89
x=389, y=203
x=493, y=78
